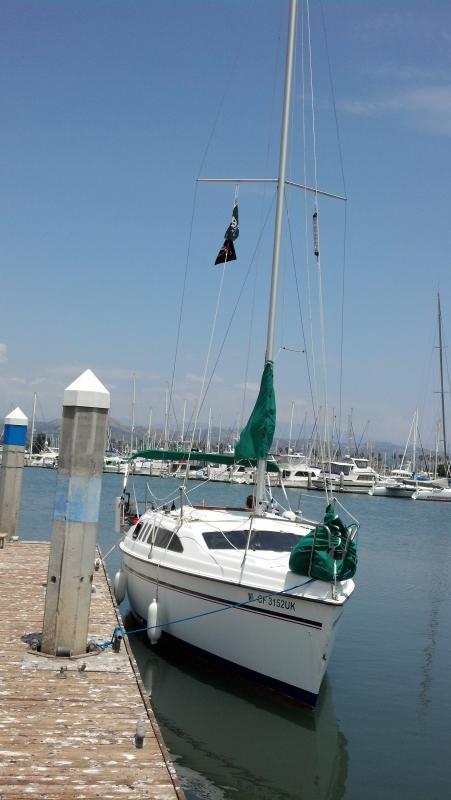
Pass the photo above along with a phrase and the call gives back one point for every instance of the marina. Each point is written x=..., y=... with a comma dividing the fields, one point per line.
x=222, y=577
x=381, y=727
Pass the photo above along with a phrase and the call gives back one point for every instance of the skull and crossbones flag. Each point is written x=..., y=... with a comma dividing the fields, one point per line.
x=227, y=251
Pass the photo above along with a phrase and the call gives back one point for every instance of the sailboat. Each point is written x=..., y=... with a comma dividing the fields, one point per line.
x=259, y=590
x=402, y=481
x=443, y=493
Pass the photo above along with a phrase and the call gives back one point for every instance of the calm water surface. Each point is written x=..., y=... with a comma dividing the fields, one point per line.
x=382, y=728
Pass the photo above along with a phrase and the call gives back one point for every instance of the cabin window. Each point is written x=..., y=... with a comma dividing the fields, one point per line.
x=273, y=541
x=168, y=540
x=143, y=533
x=337, y=469
x=216, y=540
x=137, y=530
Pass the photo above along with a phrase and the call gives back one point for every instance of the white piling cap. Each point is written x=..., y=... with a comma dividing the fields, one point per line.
x=16, y=417
x=87, y=392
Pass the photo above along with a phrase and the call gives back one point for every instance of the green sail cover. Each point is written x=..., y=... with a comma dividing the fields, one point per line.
x=256, y=438
x=311, y=555
x=195, y=455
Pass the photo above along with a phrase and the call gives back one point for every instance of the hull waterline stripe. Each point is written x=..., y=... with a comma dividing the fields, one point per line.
x=248, y=587
x=227, y=605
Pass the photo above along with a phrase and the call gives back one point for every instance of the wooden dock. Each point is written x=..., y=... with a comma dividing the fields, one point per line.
x=67, y=725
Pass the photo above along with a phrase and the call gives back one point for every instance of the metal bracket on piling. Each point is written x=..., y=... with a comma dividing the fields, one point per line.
x=116, y=640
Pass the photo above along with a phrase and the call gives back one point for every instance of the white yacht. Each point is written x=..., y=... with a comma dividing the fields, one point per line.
x=440, y=495
x=47, y=458
x=220, y=582
x=232, y=473
x=412, y=479
x=403, y=481
x=239, y=473
x=189, y=470
x=391, y=487
x=299, y=477
x=353, y=474
x=113, y=462
x=217, y=472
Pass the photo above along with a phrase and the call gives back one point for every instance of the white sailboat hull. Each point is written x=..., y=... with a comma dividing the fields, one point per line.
x=392, y=490
x=337, y=485
x=439, y=495
x=284, y=642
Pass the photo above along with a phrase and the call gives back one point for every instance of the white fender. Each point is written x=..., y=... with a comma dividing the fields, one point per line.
x=120, y=586
x=152, y=619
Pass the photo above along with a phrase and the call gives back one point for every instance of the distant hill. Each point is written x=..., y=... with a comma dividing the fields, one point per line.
x=120, y=432
x=118, y=429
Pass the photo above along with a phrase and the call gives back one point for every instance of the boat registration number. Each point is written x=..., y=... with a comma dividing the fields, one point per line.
x=275, y=602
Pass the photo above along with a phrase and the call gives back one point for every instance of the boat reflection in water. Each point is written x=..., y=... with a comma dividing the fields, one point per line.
x=240, y=742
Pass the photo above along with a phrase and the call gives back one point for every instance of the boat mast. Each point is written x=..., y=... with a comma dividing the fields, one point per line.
x=219, y=433
x=148, y=429
x=441, y=383
x=32, y=427
x=291, y=428
x=209, y=432
x=183, y=422
x=269, y=356
x=166, y=425
x=414, y=448
x=132, y=431
x=436, y=452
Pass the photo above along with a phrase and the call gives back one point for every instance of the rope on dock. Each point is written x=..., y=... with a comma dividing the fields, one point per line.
x=118, y=634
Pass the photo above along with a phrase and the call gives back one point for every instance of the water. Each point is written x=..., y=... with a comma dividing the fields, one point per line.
x=382, y=728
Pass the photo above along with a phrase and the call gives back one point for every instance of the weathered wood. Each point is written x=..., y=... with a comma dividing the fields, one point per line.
x=70, y=736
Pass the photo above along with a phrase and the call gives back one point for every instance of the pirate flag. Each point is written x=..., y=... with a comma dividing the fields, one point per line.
x=227, y=251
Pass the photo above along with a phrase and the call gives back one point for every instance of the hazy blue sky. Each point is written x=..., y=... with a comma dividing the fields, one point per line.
x=110, y=110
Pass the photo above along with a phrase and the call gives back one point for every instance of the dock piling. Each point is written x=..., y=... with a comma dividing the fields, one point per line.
x=76, y=512
x=14, y=438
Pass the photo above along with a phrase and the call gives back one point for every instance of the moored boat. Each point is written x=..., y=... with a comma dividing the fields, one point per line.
x=391, y=488
x=352, y=474
x=442, y=494
x=259, y=588
x=220, y=582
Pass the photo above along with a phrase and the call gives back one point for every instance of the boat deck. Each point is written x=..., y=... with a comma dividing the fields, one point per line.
x=67, y=725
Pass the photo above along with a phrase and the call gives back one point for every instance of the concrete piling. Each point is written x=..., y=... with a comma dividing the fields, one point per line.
x=76, y=512
x=14, y=439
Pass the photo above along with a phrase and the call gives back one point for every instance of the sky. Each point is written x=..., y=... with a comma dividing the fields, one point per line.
x=111, y=110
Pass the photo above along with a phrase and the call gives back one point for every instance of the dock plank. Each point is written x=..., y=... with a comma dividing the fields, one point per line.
x=70, y=736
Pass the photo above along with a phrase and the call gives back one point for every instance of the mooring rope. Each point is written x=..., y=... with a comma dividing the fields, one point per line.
x=260, y=598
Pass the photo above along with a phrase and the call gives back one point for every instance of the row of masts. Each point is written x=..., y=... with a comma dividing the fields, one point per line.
x=441, y=378
x=216, y=438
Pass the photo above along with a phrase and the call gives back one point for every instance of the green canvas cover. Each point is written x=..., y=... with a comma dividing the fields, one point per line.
x=195, y=455
x=311, y=555
x=256, y=438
